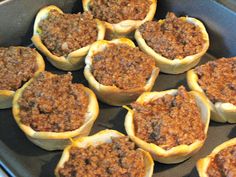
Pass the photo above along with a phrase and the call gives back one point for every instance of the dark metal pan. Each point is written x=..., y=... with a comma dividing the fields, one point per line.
x=19, y=157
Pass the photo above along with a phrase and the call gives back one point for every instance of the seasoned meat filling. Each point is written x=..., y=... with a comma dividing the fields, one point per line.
x=17, y=65
x=169, y=121
x=116, y=159
x=223, y=164
x=122, y=66
x=65, y=33
x=52, y=103
x=174, y=38
x=218, y=80
x=114, y=11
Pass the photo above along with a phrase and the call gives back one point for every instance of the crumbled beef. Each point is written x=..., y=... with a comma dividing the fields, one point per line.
x=122, y=66
x=116, y=159
x=218, y=80
x=174, y=38
x=169, y=121
x=224, y=163
x=17, y=66
x=51, y=103
x=114, y=11
x=65, y=33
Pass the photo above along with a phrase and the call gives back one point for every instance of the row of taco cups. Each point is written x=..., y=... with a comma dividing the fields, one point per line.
x=112, y=95
x=79, y=137
x=59, y=140
x=75, y=59
x=54, y=141
x=105, y=136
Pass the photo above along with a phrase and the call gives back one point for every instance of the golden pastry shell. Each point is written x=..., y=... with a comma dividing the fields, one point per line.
x=6, y=96
x=74, y=60
x=113, y=95
x=175, y=66
x=178, y=153
x=56, y=140
x=127, y=27
x=202, y=164
x=104, y=136
x=220, y=112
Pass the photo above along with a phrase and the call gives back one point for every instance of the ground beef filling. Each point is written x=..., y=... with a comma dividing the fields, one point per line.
x=169, y=121
x=224, y=163
x=53, y=103
x=175, y=38
x=122, y=66
x=17, y=65
x=114, y=11
x=218, y=80
x=65, y=33
x=116, y=159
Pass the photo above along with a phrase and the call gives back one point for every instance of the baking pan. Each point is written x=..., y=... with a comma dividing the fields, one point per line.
x=19, y=157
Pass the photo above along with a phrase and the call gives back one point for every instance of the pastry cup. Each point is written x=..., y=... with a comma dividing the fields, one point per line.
x=178, y=153
x=74, y=60
x=6, y=96
x=124, y=28
x=104, y=136
x=220, y=112
x=177, y=65
x=203, y=164
x=113, y=95
x=56, y=140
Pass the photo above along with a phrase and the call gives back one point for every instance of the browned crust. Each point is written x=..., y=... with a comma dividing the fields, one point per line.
x=75, y=59
x=202, y=164
x=126, y=27
x=176, y=154
x=111, y=94
x=175, y=66
x=220, y=112
x=53, y=140
x=103, y=136
x=6, y=96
